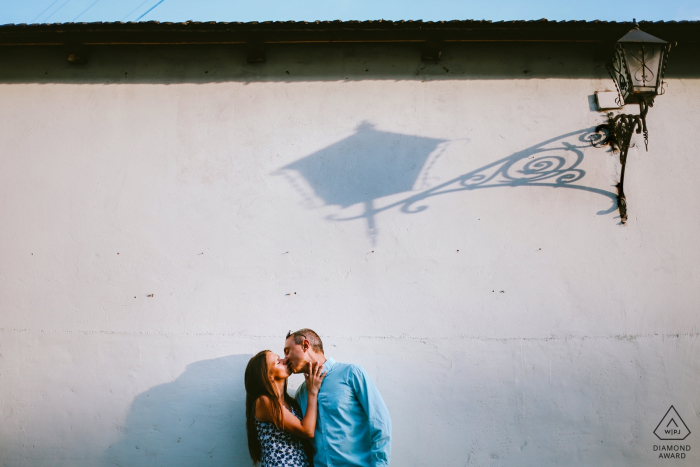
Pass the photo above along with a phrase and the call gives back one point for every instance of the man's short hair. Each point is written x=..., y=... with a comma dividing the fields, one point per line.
x=310, y=336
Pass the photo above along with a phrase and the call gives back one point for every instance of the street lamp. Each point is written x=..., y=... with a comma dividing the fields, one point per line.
x=638, y=70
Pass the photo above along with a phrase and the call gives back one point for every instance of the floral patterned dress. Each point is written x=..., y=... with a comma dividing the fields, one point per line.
x=280, y=448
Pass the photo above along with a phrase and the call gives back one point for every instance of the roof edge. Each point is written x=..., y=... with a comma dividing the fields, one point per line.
x=191, y=32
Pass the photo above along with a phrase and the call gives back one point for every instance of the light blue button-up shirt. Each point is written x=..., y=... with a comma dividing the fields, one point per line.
x=353, y=427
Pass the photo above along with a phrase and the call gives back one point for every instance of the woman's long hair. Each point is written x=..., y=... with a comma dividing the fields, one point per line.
x=258, y=383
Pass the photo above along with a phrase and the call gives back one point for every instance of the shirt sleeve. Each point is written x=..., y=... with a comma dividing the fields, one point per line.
x=377, y=413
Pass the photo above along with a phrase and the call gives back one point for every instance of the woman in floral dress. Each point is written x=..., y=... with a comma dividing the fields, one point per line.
x=276, y=430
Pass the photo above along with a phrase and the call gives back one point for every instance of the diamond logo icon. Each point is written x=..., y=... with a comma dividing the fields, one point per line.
x=671, y=427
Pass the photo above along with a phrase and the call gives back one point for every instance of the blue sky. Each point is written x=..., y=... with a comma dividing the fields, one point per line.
x=56, y=11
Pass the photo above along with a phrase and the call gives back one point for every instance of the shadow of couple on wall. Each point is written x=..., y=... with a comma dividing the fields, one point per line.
x=373, y=164
x=196, y=420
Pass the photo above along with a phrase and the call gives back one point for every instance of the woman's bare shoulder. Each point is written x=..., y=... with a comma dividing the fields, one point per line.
x=263, y=405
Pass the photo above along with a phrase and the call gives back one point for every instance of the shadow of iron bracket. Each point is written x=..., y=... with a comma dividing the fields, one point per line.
x=432, y=50
x=255, y=52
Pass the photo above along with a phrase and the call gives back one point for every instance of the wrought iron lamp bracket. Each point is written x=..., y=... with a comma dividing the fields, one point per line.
x=637, y=69
x=619, y=130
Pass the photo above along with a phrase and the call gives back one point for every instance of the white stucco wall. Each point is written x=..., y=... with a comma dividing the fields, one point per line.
x=504, y=313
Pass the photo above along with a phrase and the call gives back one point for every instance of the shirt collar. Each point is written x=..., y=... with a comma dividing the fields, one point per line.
x=330, y=363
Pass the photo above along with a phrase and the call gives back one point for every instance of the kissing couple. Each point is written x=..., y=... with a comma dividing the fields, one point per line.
x=338, y=417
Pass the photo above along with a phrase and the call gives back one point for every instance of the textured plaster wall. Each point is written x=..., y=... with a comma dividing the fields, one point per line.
x=167, y=213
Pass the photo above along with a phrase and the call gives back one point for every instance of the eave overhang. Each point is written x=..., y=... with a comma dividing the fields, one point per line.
x=338, y=31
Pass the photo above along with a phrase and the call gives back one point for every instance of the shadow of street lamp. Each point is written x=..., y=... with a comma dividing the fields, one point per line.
x=367, y=165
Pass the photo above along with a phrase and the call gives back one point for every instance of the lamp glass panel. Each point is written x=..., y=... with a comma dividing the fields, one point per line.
x=643, y=60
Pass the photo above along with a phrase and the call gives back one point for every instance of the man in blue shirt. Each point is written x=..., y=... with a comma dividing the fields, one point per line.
x=353, y=427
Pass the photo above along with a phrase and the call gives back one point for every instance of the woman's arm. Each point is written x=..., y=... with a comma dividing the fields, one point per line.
x=305, y=427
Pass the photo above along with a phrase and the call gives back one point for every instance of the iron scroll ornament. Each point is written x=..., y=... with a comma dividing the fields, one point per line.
x=619, y=131
x=618, y=72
